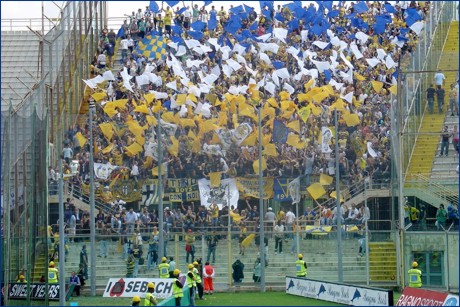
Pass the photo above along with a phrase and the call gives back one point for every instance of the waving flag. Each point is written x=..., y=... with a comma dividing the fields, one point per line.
x=153, y=7
x=152, y=47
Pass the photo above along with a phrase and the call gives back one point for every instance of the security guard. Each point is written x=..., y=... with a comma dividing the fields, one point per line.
x=301, y=267
x=177, y=287
x=136, y=300
x=53, y=274
x=199, y=284
x=150, y=299
x=21, y=279
x=415, y=276
x=191, y=283
x=163, y=267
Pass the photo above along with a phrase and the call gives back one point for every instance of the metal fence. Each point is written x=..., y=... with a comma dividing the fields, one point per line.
x=27, y=131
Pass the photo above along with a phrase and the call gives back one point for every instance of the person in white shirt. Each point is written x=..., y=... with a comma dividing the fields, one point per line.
x=130, y=44
x=124, y=49
x=135, y=174
x=279, y=233
x=290, y=218
x=439, y=79
x=334, y=215
x=353, y=214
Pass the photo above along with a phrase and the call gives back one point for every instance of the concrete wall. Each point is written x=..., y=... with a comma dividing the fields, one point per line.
x=435, y=241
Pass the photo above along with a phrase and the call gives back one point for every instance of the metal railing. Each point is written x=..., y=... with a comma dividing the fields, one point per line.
x=433, y=187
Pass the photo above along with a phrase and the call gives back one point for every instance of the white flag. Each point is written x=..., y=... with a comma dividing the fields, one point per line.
x=221, y=195
x=326, y=136
x=294, y=190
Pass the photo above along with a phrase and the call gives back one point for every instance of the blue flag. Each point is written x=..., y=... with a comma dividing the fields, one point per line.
x=212, y=24
x=253, y=27
x=233, y=25
x=268, y=4
x=121, y=32
x=181, y=10
x=177, y=29
x=206, y=3
x=293, y=24
x=327, y=75
x=172, y=3
x=198, y=25
x=333, y=14
x=279, y=17
x=278, y=65
x=153, y=6
x=360, y=7
x=412, y=16
x=237, y=10
x=196, y=35
x=248, y=9
x=389, y=8
x=280, y=132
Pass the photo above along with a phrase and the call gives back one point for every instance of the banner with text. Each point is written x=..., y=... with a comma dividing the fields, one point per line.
x=37, y=291
x=220, y=195
x=129, y=287
x=280, y=189
x=422, y=297
x=338, y=293
x=249, y=187
x=185, y=189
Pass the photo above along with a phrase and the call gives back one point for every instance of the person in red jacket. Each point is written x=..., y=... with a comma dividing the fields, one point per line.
x=208, y=275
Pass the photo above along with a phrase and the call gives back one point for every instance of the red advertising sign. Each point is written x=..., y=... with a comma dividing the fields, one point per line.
x=421, y=297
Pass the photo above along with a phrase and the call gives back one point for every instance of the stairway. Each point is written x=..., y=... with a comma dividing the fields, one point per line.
x=423, y=160
x=320, y=254
x=382, y=262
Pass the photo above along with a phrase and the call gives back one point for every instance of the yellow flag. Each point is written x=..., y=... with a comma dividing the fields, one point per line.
x=81, y=139
x=107, y=130
x=133, y=149
x=273, y=102
x=110, y=111
x=174, y=148
x=377, y=86
x=338, y=104
x=155, y=171
x=314, y=109
x=191, y=135
x=287, y=114
x=142, y=109
x=351, y=119
x=211, y=98
x=148, y=162
x=270, y=150
x=304, y=113
x=325, y=179
x=192, y=97
x=250, y=140
x=393, y=89
x=140, y=140
x=207, y=126
x=168, y=117
x=255, y=165
x=308, y=84
x=295, y=125
x=316, y=190
x=359, y=77
x=215, y=179
x=151, y=120
x=99, y=96
x=270, y=112
x=149, y=97
x=187, y=122
x=284, y=95
x=320, y=96
x=107, y=149
x=334, y=195
x=302, y=97
x=180, y=99
x=120, y=103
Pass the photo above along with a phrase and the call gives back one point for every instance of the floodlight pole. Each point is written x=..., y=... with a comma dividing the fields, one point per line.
x=337, y=195
x=162, y=251
x=61, y=229
x=91, y=200
x=261, y=205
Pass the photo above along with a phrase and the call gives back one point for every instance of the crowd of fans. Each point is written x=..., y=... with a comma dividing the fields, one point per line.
x=194, y=149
